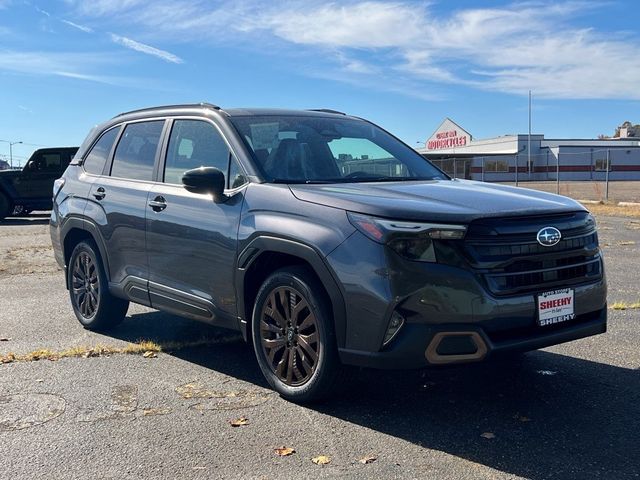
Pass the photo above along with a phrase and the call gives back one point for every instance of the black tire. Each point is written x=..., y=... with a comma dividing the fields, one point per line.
x=285, y=341
x=93, y=304
x=5, y=206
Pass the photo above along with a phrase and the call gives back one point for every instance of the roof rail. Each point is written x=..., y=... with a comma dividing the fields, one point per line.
x=164, y=107
x=325, y=110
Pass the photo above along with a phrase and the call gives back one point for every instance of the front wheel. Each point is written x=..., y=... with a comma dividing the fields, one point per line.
x=293, y=336
x=93, y=304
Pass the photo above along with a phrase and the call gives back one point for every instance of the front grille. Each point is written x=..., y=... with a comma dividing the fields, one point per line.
x=506, y=254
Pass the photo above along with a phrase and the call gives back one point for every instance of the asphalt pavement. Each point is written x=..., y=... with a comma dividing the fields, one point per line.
x=567, y=412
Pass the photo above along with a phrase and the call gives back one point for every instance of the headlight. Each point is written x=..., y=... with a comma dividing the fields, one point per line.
x=411, y=240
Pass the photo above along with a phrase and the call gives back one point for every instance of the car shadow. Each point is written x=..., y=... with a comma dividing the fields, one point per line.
x=546, y=415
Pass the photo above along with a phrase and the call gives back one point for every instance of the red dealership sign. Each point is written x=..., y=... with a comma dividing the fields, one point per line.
x=448, y=135
x=448, y=139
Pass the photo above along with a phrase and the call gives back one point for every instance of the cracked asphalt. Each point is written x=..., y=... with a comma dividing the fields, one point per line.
x=567, y=412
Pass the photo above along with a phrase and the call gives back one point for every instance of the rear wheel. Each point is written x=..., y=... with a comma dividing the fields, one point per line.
x=93, y=304
x=293, y=336
x=5, y=206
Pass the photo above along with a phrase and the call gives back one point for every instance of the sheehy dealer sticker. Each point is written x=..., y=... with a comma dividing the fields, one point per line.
x=555, y=307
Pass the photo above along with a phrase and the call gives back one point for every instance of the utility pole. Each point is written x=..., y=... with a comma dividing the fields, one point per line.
x=11, y=144
x=529, y=140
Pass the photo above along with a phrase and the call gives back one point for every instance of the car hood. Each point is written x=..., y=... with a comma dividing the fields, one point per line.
x=9, y=173
x=458, y=201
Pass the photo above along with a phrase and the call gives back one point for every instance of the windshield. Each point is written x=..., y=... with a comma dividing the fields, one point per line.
x=314, y=149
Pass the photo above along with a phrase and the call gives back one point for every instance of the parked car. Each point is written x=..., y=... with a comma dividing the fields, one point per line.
x=322, y=238
x=30, y=188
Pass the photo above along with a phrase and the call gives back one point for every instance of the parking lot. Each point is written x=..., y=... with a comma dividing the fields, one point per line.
x=567, y=412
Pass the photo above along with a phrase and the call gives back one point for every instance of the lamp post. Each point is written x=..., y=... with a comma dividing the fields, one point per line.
x=11, y=144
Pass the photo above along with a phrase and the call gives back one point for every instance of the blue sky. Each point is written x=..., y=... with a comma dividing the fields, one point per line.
x=66, y=65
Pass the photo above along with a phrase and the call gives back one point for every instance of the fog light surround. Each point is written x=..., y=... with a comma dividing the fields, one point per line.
x=395, y=324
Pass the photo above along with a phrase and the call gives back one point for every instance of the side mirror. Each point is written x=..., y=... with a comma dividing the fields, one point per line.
x=205, y=180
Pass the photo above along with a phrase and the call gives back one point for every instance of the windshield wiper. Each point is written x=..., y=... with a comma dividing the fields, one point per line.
x=302, y=182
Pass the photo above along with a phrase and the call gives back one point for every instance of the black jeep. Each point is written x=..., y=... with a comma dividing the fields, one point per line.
x=30, y=189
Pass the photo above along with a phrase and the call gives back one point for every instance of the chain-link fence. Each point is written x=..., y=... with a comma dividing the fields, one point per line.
x=611, y=174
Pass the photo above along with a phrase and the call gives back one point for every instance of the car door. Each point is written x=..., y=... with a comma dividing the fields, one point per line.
x=36, y=179
x=191, y=240
x=118, y=203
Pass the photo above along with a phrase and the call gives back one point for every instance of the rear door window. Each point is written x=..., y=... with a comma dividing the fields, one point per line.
x=136, y=151
x=97, y=157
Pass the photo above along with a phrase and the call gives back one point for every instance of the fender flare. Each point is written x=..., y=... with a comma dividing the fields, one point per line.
x=303, y=251
x=79, y=223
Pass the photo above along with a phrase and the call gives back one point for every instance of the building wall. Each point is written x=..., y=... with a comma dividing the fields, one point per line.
x=585, y=161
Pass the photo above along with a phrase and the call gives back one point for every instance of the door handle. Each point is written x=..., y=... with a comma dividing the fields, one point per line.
x=100, y=193
x=158, y=204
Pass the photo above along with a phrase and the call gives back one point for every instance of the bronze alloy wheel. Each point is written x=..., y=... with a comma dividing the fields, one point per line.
x=289, y=336
x=85, y=285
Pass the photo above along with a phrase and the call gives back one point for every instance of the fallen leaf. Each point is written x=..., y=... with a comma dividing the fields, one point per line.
x=238, y=422
x=321, y=460
x=8, y=358
x=5, y=339
x=149, y=354
x=488, y=435
x=284, y=451
x=368, y=459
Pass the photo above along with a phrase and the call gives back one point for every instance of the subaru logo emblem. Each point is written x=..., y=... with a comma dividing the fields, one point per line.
x=549, y=236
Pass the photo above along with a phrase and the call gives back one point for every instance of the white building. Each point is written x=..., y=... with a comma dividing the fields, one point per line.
x=454, y=150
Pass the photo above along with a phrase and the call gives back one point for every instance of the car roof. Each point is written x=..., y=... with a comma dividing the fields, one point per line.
x=257, y=112
x=231, y=112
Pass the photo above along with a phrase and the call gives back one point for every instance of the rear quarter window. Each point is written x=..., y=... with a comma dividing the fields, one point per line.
x=97, y=156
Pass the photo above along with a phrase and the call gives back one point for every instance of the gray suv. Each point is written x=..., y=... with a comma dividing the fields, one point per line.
x=322, y=238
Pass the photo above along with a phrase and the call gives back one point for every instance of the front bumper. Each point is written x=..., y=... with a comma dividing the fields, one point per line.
x=435, y=299
x=411, y=348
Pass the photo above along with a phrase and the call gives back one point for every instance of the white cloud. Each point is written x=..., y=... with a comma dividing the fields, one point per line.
x=360, y=25
x=62, y=64
x=520, y=46
x=78, y=26
x=147, y=49
x=43, y=12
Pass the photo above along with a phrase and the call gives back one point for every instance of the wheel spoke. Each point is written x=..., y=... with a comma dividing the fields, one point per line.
x=282, y=295
x=267, y=327
x=298, y=308
x=282, y=364
x=305, y=342
x=94, y=298
x=274, y=343
x=308, y=321
x=272, y=354
x=305, y=360
x=275, y=315
x=290, y=366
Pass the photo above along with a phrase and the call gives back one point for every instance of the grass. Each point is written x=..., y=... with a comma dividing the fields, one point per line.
x=614, y=210
x=146, y=348
x=625, y=305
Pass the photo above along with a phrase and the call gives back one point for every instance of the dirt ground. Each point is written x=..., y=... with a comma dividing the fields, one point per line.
x=619, y=191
